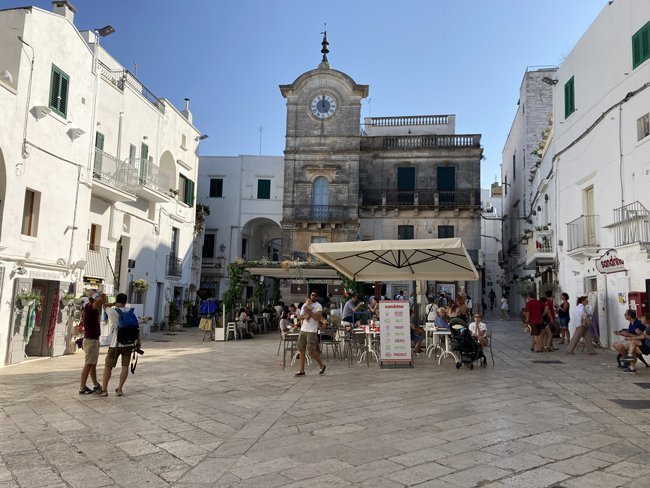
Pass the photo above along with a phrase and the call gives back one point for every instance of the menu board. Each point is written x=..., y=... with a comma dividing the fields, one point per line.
x=395, y=332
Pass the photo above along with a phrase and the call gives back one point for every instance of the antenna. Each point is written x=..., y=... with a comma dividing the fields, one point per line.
x=369, y=107
x=135, y=69
x=260, y=129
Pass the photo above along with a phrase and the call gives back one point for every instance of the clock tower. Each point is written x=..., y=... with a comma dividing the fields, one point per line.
x=321, y=158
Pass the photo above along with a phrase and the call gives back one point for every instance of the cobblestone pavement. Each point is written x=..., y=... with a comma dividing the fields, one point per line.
x=226, y=414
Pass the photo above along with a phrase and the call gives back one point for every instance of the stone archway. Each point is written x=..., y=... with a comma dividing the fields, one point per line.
x=263, y=238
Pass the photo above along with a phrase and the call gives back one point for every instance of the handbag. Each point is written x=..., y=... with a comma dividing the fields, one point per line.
x=586, y=321
x=528, y=329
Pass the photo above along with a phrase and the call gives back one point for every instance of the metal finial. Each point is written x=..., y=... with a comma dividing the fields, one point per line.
x=325, y=44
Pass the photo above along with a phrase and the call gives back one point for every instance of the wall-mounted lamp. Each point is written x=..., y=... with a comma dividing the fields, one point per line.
x=549, y=81
x=6, y=76
x=546, y=198
x=202, y=137
x=145, y=137
x=107, y=30
x=222, y=247
x=74, y=133
x=81, y=264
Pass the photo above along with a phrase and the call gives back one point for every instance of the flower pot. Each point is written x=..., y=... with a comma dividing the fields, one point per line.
x=26, y=303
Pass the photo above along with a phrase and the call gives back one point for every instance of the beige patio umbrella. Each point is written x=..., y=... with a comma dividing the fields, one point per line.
x=393, y=260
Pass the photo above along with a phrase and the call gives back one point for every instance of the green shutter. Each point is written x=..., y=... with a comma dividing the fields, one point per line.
x=263, y=189
x=569, y=98
x=641, y=46
x=59, y=84
x=189, y=192
x=99, y=141
x=144, y=151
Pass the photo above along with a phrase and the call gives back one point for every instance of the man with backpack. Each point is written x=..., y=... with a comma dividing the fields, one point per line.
x=125, y=337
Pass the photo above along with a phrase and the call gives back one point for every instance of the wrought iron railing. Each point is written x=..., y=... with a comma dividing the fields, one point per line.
x=421, y=198
x=632, y=224
x=151, y=176
x=120, y=78
x=113, y=172
x=582, y=232
x=97, y=262
x=320, y=213
x=540, y=242
x=174, y=266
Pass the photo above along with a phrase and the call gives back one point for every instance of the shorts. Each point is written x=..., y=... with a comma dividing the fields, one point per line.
x=307, y=340
x=91, y=351
x=114, y=352
x=537, y=329
x=645, y=349
x=564, y=322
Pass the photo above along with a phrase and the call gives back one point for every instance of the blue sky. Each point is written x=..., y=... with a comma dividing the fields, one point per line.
x=463, y=57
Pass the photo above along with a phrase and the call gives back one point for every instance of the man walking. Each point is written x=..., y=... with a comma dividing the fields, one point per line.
x=115, y=350
x=310, y=314
x=90, y=314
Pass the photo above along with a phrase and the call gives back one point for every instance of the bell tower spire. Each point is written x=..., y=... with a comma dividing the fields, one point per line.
x=324, y=44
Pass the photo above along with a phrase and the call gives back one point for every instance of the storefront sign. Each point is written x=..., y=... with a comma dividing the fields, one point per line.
x=48, y=275
x=610, y=263
x=395, y=331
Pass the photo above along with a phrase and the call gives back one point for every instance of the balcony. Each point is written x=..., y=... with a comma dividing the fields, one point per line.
x=173, y=267
x=122, y=78
x=152, y=183
x=632, y=225
x=581, y=235
x=435, y=141
x=113, y=180
x=97, y=262
x=541, y=249
x=320, y=213
x=450, y=200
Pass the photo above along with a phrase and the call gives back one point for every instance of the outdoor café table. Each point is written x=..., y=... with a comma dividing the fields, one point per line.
x=367, y=349
x=435, y=346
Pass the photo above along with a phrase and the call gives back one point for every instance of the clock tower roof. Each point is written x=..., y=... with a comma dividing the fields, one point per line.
x=324, y=70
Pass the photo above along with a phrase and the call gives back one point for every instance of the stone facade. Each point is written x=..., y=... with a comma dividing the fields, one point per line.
x=399, y=177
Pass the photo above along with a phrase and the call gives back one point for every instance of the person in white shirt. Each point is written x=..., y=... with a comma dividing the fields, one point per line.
x=432, y=310
x=479, y=330
x=115, y=350
x=310, y=314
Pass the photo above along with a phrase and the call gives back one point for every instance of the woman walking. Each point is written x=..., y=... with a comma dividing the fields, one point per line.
x=504, y=307
x=565, y=318
x=581, y=319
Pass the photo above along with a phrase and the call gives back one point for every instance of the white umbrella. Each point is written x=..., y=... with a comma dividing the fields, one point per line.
x=392, y=260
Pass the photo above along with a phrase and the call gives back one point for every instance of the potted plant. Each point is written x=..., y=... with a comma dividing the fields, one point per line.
x=174, y=192
x=140, y=285
x=67, y=299
x=173, y=314
x=28, y=298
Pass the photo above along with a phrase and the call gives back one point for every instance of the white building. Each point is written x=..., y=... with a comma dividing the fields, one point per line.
x=90, y=194
x=588, y=214
x=491, y=246
x=601, y=156
x=519, y=165
x=244, y=196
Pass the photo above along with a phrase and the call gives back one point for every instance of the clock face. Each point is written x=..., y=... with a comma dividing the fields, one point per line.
x=323, y=106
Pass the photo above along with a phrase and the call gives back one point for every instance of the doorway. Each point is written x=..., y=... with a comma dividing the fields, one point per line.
x=405, y=185
x=37, y=345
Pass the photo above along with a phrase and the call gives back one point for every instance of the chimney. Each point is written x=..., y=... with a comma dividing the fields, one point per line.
x=64, y=9
x=186, y=112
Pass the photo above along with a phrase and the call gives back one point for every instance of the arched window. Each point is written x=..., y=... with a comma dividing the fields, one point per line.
x=320, y=198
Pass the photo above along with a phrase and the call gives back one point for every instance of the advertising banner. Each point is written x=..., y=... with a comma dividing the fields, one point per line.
x=395, y=333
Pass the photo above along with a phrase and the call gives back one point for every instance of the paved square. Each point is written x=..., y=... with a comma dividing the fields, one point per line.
x=226, y=414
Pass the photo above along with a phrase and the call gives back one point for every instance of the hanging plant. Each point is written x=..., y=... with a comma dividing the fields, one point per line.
x=140, y=285
x=29, y=298
x=54, y=318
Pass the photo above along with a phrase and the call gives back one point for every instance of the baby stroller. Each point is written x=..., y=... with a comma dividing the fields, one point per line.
x=465, y=346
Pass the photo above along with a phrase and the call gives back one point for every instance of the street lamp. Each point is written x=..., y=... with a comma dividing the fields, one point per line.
x=107, y=30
